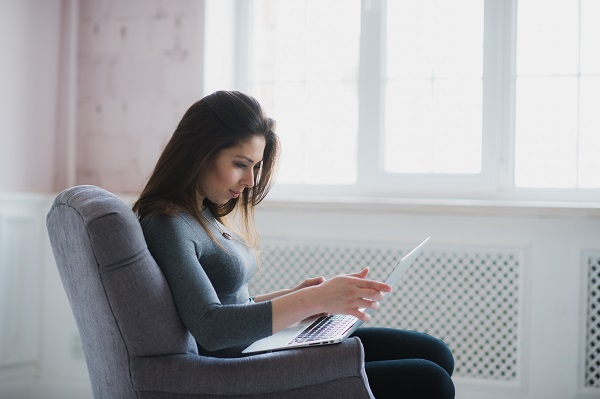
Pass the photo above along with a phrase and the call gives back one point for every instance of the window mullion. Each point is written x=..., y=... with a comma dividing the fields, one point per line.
x=243, y=20
x=510, y=88
x=369, y=154
x=498, y=94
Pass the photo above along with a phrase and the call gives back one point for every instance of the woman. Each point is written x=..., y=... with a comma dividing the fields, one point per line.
x=221, y=159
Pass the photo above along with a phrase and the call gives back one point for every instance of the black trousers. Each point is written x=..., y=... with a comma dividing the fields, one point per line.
x=406, y=364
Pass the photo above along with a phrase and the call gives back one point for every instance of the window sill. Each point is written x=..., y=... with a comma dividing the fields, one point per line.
x=544, y=209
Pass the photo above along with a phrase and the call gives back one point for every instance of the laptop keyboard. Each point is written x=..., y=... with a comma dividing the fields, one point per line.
x=324, y=328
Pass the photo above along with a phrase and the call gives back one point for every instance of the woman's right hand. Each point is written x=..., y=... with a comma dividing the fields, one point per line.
x=343, y=294
x=349, y=293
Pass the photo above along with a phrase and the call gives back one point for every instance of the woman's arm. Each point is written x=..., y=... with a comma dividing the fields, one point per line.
x=345, y=294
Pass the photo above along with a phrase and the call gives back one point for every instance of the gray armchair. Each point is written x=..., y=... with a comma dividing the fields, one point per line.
x=135, y=344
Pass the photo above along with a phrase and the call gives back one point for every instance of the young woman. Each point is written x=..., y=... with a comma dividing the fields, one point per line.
x=222, y=159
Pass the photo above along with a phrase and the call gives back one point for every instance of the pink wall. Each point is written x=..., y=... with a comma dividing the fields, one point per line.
x=104, y=117
x=29, y=39
x=139, y=69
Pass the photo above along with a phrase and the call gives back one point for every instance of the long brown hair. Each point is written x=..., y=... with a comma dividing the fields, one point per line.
x=221, y=120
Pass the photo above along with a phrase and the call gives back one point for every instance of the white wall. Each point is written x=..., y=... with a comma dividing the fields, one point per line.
x=40, y=351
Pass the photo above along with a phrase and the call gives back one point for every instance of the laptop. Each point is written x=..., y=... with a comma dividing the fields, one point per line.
x=328, y=329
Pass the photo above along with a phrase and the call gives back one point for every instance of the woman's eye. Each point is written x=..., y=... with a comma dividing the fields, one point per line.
x=240, y=165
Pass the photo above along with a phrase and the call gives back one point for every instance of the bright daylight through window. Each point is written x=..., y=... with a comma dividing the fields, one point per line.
x=433, y=87
x=461, y=98
x=558, y=93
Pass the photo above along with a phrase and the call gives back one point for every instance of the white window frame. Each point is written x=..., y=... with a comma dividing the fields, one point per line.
x=495, y=182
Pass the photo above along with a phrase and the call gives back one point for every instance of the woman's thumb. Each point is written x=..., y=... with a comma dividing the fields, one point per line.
x=363, y=273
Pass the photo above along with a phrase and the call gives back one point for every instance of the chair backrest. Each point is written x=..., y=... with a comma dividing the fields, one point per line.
x=118, y=294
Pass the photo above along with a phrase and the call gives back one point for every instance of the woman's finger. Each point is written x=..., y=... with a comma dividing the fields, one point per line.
x=373, y=285
x=361, y=274
x=364, y=304
x=370, y=294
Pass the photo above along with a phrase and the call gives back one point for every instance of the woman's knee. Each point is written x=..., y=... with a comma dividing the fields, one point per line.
x=417, y=378
x=393, y=344
x=434, y=350
x=443, y=356
x=437, y=380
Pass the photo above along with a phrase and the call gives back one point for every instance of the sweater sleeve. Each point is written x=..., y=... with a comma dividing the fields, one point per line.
x=215, y=326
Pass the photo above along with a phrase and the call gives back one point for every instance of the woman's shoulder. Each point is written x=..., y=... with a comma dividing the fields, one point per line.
x=180, y=221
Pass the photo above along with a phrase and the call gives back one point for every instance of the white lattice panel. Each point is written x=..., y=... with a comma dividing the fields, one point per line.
x=467, y=297
x=592, y=362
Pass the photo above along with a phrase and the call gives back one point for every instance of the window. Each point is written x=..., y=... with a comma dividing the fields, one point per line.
x=421, y=98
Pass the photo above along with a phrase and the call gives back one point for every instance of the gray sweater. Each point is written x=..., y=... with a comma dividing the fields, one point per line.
x=209, y=285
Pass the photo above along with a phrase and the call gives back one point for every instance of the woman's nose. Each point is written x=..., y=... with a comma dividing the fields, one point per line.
x=249, y=178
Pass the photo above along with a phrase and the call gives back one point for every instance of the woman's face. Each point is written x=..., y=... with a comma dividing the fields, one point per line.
x=232, y=171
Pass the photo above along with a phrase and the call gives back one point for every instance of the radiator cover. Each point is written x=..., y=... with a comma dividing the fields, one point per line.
x=468, y=297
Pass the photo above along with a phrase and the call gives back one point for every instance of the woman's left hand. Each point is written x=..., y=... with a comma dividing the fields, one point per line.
x=309, y=282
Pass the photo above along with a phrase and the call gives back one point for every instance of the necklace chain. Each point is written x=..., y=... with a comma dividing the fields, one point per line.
x=216, y=224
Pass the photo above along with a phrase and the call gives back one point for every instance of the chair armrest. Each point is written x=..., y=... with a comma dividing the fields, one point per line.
x=262, y=374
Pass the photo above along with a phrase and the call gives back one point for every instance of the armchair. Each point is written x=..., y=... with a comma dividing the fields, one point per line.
x=134, y=342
